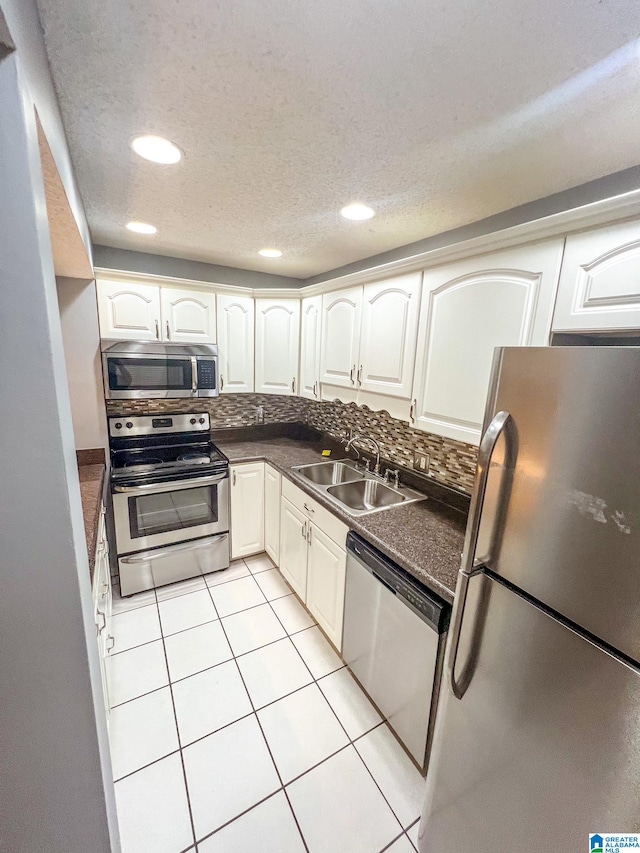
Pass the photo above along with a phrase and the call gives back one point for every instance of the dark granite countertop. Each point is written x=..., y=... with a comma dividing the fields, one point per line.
x=91, y=489
x=425, y=538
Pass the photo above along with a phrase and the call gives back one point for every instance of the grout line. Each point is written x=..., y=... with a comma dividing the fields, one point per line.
x=133, y=699
x=391, y=843
x=145, y=766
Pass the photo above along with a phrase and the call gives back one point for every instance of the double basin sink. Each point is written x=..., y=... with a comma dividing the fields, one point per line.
x=357, y=492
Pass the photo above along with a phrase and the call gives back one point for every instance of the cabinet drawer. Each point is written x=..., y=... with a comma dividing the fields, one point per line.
x=322, y=518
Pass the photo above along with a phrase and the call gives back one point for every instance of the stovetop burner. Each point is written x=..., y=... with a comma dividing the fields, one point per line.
x=195, y=458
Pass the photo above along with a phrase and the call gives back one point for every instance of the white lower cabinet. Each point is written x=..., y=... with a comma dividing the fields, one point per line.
x=311, y=559
x=101, y=591
x=272, y=513
x=247, y=509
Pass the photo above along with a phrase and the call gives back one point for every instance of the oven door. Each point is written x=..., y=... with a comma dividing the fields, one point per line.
x=151, y=515
x=149, y=375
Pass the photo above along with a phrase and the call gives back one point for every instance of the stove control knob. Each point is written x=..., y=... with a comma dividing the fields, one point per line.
x=118, y=425
x=129, y=425
x=192, y=421
x=201, y=420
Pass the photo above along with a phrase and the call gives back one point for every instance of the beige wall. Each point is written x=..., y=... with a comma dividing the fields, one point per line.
x=81, y=340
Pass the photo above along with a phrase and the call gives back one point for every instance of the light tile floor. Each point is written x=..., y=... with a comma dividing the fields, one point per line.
x=235, y=727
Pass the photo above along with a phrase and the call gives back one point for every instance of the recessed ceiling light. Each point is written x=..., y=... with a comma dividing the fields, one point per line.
x=357, y=211
x=270, y=253
x=156, y=149
x=141, y=227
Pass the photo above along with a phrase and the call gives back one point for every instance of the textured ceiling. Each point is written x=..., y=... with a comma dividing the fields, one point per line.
x=437, y=114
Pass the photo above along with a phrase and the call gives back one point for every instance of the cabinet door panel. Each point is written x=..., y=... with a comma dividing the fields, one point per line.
x=341, y=317
x=236, y=343
x=247, y=509
x=129, y=311
x=277, y=345
x=293, y=547
x=272, y=513
x=325, y=584
x=468, y=309
x=310, y=347
x=389, y=331
x=188, y=316
x=600, y=280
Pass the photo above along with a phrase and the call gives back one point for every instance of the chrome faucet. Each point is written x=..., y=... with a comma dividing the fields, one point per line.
x=359, y=437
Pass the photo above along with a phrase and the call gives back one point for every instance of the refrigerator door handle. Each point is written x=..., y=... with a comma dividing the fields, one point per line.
x=502, y=423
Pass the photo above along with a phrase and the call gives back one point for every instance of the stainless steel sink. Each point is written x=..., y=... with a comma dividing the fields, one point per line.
x=330, y=473
x=366, y=495
x=356, y=492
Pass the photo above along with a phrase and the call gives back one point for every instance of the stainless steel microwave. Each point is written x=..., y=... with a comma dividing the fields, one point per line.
x=137, y=369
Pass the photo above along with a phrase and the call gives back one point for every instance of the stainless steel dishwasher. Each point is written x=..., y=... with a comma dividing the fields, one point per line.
x=393, y=642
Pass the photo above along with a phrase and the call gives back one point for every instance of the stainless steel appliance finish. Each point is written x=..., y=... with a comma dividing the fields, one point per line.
x=538, y=722
x=359, y=493
x=139, y=370
x=170, y=488
x=393, y=641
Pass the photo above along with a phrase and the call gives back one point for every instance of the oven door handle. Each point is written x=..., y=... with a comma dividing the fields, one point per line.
x=181, y=547
x=173, y=485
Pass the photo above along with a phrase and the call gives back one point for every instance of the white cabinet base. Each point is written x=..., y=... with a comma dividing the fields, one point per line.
x=247, y=509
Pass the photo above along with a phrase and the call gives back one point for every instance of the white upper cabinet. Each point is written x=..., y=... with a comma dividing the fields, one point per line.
x=468, y=309
x=236, y=343
x=389, y=330
x=310, y=347
x=600, y=280
x=341, y=317
x=129, y=311
x=277, y=345
x=188, y=316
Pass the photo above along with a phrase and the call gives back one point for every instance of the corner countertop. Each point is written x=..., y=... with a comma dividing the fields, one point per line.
x=91, y=488
x=424, y=538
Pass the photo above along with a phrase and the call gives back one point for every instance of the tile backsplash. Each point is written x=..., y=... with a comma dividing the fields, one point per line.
x=451, y=462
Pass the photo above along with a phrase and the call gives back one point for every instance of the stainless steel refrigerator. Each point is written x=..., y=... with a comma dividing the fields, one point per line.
x=537, y=740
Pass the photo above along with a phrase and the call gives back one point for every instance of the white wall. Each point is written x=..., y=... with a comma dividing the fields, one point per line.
x=81, y=340
x=56, y=788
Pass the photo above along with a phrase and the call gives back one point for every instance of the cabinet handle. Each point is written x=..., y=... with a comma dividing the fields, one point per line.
x=308, y=508
x=157, y=331
x=293, y=385
x=304, y=530
x=359, y=375
x=351, y=372
x=315, y=389
x=309, y=535
x=221, y=382
x=412, y=411
x=234, y=478
x=108, y=647
x=104, y=622
x=168, y=331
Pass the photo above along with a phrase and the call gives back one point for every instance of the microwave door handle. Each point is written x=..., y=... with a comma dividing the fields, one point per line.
x=194, y=374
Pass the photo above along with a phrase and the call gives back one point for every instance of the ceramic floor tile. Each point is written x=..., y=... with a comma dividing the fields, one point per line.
x=258, y=563
x=402, y=845
x=273, y=671
x=413, y=834
x=301, y=730
x=209, y=700
x=236, y=596
x=272, y=584
x=292, y=614
x=153, y=813
x=136, y=672
x=253, y=628
x=173, y=590
x=354, y=710
x=236, y=570
x=196, y=649
x=142, y=731
x=186, y=611
x=131, y=602
x=399, y=780
x=340, y=809
x=268, y=828
x=317, y=652
x=228, y=772
x=135, y=627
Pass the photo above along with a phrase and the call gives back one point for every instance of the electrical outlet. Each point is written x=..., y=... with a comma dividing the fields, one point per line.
x=421, y=462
